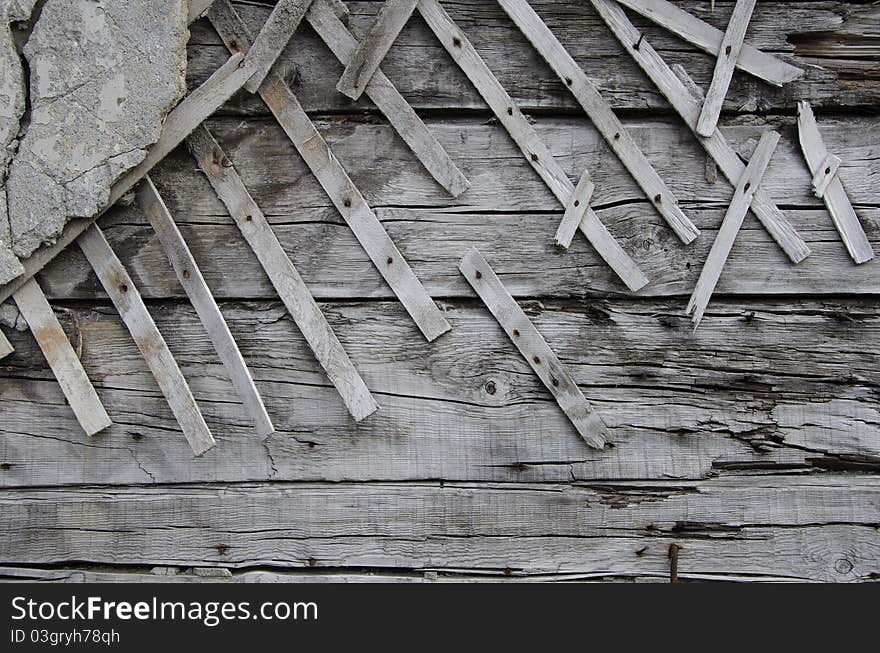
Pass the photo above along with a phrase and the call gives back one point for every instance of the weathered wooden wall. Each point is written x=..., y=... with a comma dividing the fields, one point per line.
x=753, y=444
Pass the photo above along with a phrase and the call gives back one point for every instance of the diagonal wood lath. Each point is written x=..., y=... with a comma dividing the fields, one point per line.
x=524, y=135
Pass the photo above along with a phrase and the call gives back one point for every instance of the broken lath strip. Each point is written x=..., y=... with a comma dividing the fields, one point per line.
x=130, y=305
x=602, y=116
x=730, y=226
x=273, y=37
x=62, y=359
x=281, y=272
x=687, y=101
x=828, y=187
x=339, y=187
x=538, y=354
x=524, y=135
x=190, y=277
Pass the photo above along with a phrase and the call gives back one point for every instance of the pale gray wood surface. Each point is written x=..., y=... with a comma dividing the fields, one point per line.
x=5, y=346
x=834, y=195
x=284, y=276
x=727, y=55
x=575, y=210
x=600, y=113
x=273, y=37
x=190, y=277
x=687, y=102
x=534, y=349
x=125, y=297
x=733, y=219
x=62, y=359
x=366, y=60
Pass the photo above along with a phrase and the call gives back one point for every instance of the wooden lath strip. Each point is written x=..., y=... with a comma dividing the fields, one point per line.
x=190, y=277
x=62, y=359
x=829, y=187
x=284, y=276
x=575, y=210
x=273, y=38
x=730, y=226
x=388, y=100
x=528, y=340
x=687, y=102
x=707, y=38
x=6, y=347
x=602, y=116
x=727, y=54
x=127, y=300
x=526, y=138
x=339, y=187
x=393, y=15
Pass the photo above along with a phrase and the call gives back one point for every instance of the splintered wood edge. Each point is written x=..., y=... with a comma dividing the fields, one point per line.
x=602, y=116
x=742, y=197
x=62, y=359
x=531, y=344
x=526, y=138
x=366, y=60
x=130, y=305
x=193, y=282
x=675, y=85
x=285, y=278
x=725, y=64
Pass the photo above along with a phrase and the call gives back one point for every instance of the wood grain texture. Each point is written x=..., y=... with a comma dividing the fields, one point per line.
x=727, y=55
x=711, y=40
x=62, y=359
x=575, y=210
x=366, y=60
x=730, y=226
x=600, y=113
x=527, y=139
x=284, y=276
x=782, y=527
x=190, y=277
x=687, y=102
x=125, y=297
x=834, y=195
x=272, y=39
x=534, y=349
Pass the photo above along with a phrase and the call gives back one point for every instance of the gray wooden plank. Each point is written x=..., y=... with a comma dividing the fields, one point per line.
x=733, y=219
x=346, y=197
x=779, y=526
x=688, y=105
x=600, y=113
x=5, y=346
x=709, y=39
x=284, y=276
x=538, y=354
x=190, y=277
x=366, y=60
x=62, y=359
x=526, y=138
x=727, y=55
x=127, y=300
x=272, y=39
x=390, y=102
x=842, y=213
x=575, y=210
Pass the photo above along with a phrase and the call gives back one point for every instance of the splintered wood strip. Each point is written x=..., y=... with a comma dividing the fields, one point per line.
x=284, y=276
x=192, y=281
x=534, y=348
x=273, y=38
x=733, y=219
x=826, y=171
x=343, y=193
x=687, y=102
x=197, y=8
x=527, y=139
x=834, y=195
x=600, y=113
x=127, y=300
x=6, y=347
x=575, y=210
x=393, y=15
x=728, y=53
x=338, y=7
x=385, y=96
x=62, y=359
x=701, y=34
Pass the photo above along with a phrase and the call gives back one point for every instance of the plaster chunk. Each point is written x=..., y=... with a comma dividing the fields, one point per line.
x=103, y=76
